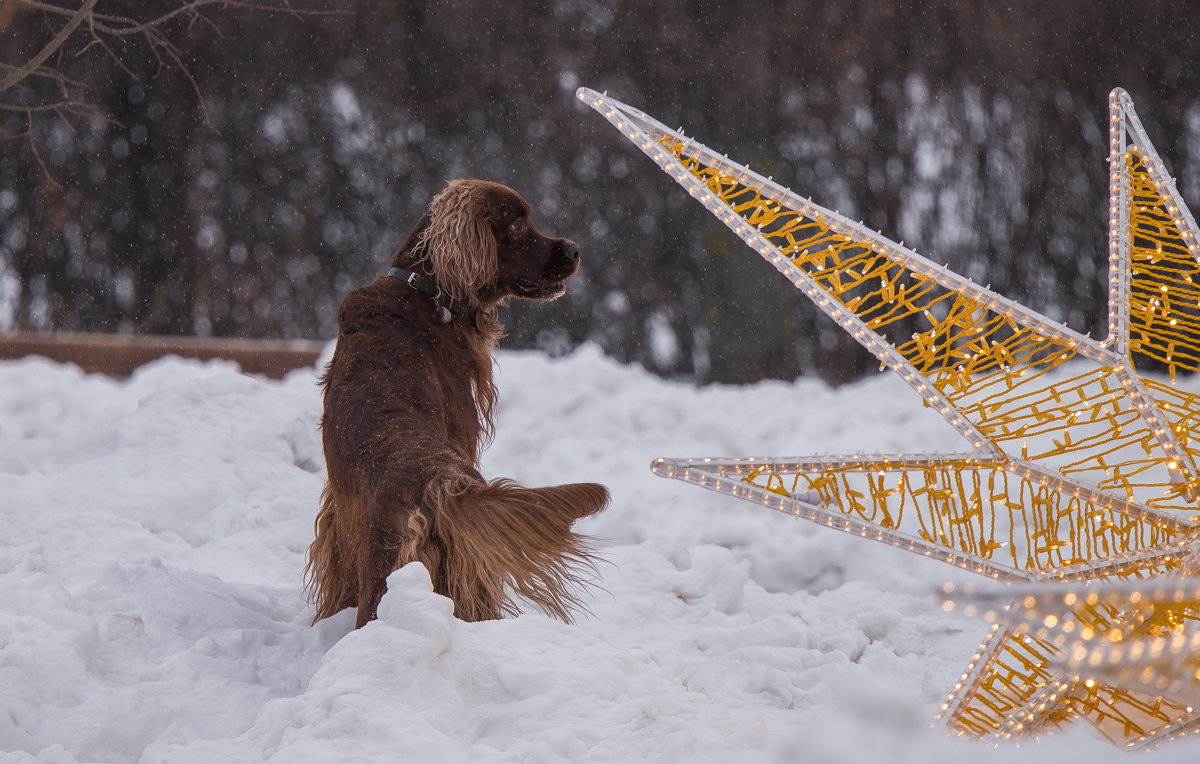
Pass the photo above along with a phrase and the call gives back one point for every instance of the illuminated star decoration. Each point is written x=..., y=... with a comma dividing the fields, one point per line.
x=1079, y=466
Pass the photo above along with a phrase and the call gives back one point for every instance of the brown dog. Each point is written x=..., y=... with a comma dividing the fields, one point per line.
x=408, y=403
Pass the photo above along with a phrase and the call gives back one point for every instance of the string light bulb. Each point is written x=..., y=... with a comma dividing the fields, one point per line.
x=1081, y=466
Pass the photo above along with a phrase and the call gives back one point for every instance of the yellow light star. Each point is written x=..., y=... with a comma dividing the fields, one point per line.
x=1079, y=466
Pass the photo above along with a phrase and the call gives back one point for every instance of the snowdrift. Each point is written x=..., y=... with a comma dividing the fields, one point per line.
x=151, y=608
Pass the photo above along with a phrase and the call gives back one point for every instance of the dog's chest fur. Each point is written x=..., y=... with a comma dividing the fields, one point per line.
x=460, y=376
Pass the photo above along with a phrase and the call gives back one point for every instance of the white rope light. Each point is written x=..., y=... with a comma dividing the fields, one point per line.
x=1080, y=466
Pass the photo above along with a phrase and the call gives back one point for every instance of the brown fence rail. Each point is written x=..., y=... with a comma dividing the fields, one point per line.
x=120, y=354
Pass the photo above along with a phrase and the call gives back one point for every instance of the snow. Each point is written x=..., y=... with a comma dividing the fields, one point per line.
x=153, y=545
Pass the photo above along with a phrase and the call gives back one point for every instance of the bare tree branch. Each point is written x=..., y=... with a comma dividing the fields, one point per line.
x=28, y=135
x=103, y=31
x=124, y=25
x=68, y=106
x=32, y=64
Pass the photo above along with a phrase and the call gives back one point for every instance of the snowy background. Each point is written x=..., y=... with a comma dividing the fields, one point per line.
x=152, y=545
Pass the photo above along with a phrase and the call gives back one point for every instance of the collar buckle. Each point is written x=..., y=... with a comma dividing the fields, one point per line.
x=446, y=304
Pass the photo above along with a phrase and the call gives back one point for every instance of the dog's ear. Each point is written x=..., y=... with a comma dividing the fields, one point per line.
x=459, y=241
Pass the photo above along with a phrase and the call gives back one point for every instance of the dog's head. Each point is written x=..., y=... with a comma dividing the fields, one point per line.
x=482, y=248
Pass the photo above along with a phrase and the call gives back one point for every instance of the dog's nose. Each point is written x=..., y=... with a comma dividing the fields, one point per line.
x=570, y=250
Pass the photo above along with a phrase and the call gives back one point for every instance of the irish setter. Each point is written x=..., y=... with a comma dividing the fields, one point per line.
x=409, y=399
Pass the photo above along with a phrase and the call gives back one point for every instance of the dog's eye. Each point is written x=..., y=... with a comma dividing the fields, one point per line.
x=518, y=225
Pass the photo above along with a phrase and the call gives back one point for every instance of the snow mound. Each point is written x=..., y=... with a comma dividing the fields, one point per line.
x=151, y=606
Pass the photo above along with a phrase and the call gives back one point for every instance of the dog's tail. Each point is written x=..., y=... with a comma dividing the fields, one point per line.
x=325, y=583
x=502, y=535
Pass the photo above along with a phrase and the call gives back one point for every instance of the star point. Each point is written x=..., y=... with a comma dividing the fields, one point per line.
x=1080, y=465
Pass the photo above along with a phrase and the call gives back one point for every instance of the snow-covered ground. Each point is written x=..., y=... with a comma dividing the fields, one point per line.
x=152, y=537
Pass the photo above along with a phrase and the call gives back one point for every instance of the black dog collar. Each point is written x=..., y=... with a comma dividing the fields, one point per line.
x=445, y=303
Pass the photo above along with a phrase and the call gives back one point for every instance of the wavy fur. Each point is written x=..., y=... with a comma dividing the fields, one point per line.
x=459, y=241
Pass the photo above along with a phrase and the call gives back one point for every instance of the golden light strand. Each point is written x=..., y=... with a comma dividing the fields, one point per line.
x=1080, y=467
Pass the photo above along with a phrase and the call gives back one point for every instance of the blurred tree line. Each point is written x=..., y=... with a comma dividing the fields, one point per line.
x=246, y=191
